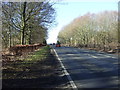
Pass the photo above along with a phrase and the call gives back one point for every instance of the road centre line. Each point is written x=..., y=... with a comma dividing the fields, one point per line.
x=65, y=71
x=93, y=56
x=102, y=56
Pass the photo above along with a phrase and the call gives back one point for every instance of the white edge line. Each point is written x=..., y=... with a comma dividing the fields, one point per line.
x=65, y=71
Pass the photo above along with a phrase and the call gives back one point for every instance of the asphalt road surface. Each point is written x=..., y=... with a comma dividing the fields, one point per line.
x=88, y=68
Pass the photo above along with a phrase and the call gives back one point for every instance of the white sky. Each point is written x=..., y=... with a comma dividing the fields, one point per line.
x=71, y=9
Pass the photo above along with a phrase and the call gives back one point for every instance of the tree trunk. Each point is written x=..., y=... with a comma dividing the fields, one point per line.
x=24, y=23
x=9, y=25
x=30, y=42
x=9, y=36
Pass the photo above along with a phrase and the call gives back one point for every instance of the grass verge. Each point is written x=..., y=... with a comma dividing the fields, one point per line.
x=13, y=68
x=38, y=70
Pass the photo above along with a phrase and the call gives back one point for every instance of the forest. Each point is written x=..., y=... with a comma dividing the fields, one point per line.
x=26, y=22
x=98, y=31
x=24, y=48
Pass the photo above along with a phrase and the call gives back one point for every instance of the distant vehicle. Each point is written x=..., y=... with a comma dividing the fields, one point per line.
x=53, y=43
x=58, y=44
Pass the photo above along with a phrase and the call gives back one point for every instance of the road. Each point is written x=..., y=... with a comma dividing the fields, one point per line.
x=88, y=68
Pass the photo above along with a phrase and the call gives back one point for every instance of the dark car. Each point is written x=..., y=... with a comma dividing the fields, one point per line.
x=53, y=43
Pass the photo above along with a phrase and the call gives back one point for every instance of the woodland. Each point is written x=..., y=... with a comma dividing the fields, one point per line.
x=26, y=22
x=95, y=31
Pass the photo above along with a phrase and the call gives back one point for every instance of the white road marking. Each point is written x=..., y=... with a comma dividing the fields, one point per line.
x=102, y=57
x=66, y=73
x=94, y=56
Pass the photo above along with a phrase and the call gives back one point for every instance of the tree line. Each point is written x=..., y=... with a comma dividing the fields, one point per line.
x=92, y=30
x=26, y=22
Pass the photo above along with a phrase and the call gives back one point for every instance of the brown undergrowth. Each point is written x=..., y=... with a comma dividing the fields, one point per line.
x=39, y=69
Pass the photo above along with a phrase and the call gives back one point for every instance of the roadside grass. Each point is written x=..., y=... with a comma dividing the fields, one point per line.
x=13, y=69
x=40, y=69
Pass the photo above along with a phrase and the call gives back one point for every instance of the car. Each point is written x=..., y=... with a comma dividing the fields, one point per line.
x=58, y=45
x=53, y=43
